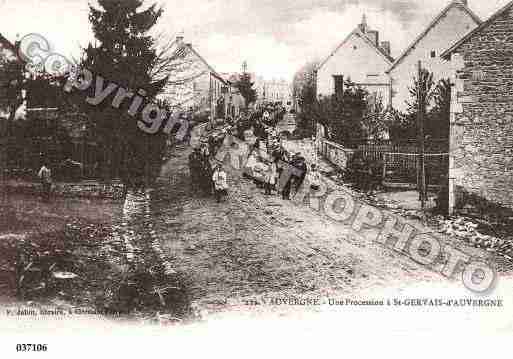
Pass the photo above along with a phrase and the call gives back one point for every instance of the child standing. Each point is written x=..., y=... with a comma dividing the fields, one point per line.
x=220, y=182
x=45, y=176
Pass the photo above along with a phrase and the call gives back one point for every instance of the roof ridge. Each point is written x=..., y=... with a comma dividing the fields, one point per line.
x=483, y=25
x=190, y=47
x=432, y=24
x=358, y=32
x=5, y=41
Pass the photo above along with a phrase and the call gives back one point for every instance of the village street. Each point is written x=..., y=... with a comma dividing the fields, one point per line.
x=255, y=247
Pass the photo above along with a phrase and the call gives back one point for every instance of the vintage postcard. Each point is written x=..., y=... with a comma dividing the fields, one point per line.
x=239, y=178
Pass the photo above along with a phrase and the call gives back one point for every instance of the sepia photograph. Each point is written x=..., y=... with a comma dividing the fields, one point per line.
x=256, y=178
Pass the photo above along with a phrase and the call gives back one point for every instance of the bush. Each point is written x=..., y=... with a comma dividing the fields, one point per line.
x=304, y=127
x=301, y=133
x=365, y=174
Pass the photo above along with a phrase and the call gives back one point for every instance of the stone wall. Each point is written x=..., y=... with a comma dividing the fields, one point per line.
x=335, y=153
x=113, y=190
x=482, y=115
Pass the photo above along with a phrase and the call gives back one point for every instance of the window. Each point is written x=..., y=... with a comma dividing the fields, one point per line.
x=433, y=54
x=339, y=84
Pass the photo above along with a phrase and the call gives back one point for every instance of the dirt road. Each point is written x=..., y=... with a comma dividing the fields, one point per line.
x=253, y=246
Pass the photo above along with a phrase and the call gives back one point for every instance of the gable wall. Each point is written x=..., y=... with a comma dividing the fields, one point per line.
x=456, y=24
x=355, y=64
x=193, y=92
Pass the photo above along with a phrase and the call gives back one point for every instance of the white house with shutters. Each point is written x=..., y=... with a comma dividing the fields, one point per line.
x=451, y=24
x=360, y=58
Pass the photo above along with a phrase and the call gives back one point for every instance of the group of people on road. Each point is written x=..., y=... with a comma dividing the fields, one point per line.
x=264, y=164
x=206, y=178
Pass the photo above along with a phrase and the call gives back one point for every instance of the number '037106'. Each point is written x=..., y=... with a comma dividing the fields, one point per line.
x=31, y=347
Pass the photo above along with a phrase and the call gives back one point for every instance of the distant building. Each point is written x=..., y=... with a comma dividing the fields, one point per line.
x=259, y=82
x=361, y=58
x=193, y=83
x=481, y=143
x=277, y=91
x=445, y=29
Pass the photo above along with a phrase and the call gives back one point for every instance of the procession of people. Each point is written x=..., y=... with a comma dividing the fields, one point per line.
x=263, y=165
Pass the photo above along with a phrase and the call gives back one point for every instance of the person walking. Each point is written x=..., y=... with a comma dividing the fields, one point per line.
x=314, y=178
x=45, y=176
x=195, y=168
x=250, y=164
x=299, y=162
x=206, y=176
x=220, y=183
x=270, y=177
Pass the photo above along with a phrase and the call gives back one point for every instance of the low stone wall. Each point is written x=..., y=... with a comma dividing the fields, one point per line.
x=112, y=190
x=336, y=154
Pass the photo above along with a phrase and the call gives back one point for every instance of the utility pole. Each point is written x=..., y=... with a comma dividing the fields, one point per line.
x=421, y=98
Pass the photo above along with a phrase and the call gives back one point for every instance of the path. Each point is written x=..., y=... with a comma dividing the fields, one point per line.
x=255, y=245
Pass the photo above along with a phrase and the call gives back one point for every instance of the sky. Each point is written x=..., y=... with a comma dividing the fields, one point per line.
x=275, y=37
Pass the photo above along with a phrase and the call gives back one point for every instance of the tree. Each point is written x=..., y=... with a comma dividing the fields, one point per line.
x=125, y=54
x=304, y=93
x=245, y=86
x=375, y=124
x=439, y=115
x=304, y=86
x=342, y=114
x=436, y=103
x=11, y=73
x=422, y=93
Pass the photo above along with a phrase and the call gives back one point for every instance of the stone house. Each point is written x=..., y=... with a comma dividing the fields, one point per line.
x=194, y=83
x=450, y=25
x=361, y=58
x=481, y=143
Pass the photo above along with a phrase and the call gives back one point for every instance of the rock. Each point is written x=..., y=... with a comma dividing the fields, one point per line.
x=64, y=275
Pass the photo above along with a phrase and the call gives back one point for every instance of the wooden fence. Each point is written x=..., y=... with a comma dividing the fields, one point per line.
x=400, y=160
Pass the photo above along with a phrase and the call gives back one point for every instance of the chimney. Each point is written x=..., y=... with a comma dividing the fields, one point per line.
x=179, y=40
x=363, y=25
x=464, y=2
x=373, y=36
x=385, y=45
